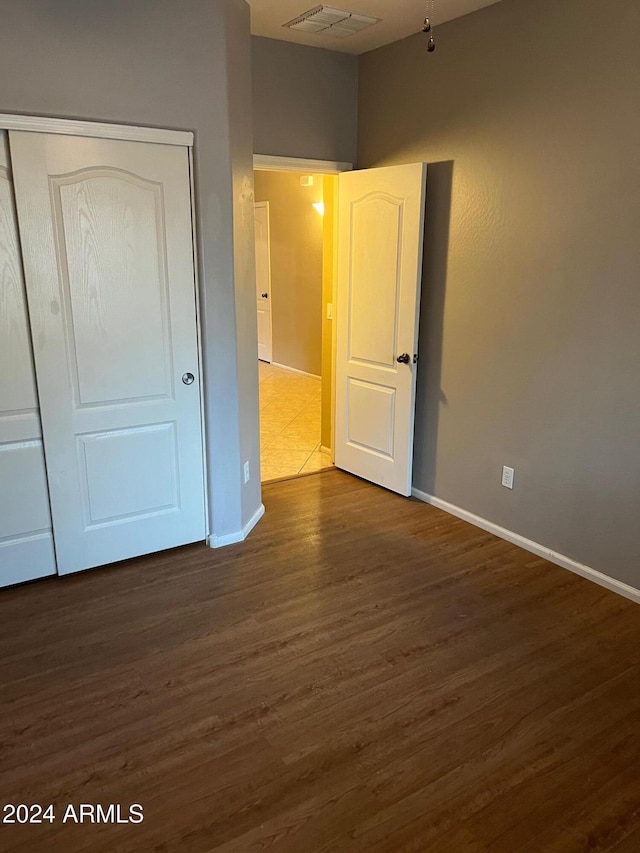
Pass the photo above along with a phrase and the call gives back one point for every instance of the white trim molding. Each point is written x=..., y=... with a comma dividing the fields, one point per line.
x=587, y=572
x=294, y=370
x=215, y=541
x=70, y=127
x=271, y=163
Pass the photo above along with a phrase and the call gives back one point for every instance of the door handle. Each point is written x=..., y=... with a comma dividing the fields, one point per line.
x=405, y=358
x=265, y=295
x=188, y=378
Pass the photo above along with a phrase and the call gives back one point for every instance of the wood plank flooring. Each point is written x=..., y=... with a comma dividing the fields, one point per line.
x=365, y=673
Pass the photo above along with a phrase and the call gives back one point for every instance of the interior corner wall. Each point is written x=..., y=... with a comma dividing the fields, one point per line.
x=304, y=101
x=529, y=343
x=172, y=65
x=295, y=229
x=241, y=149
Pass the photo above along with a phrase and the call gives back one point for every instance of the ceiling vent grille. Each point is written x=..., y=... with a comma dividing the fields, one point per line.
x=330, y=21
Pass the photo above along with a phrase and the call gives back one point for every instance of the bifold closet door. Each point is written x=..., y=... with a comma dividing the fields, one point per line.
x=26, y=544
x=105, y=228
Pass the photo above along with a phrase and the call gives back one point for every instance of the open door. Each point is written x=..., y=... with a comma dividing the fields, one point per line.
x=263, y=280
x=380, y=237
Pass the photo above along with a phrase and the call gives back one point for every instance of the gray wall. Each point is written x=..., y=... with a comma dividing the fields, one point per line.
x=296, y=268
x=304, y=101
x=530, y=326
x=177, y=65
x=238, y=43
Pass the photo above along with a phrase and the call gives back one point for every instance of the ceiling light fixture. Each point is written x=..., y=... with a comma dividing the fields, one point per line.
x=330, y=21
x=427, y=27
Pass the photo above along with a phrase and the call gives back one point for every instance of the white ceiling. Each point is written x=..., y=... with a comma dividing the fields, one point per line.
x=400, y=18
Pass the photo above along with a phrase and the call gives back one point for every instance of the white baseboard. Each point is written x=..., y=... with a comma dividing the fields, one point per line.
x=621, y=588
x=240, y=535
x=295, y=370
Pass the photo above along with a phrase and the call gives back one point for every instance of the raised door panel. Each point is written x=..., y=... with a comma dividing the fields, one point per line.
x=26, y=544
x=374, y=280
x=110, y=283
x=370, y=417
x=109, y=228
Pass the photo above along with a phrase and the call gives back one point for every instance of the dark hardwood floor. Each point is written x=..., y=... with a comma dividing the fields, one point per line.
x=365, y=673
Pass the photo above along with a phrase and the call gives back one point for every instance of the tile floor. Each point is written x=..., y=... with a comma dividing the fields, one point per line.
x=289, y=424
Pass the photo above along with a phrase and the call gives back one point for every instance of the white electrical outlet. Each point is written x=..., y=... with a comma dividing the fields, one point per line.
x=507, y=477
x=246, y=472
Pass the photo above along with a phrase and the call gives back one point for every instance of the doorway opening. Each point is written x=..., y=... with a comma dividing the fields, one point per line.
x=374, y=281
x=294, y=217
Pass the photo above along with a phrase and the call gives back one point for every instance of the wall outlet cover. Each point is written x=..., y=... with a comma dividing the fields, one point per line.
x=507, y=477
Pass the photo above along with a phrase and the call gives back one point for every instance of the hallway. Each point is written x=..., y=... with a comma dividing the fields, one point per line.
x=289, y=424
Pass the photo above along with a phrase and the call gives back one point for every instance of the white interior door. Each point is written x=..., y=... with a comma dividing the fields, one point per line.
x=380, y=237
x=108, y=259
x=263, y=280
x=26, y=543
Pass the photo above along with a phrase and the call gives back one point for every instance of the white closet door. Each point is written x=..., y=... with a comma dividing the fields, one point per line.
x=106, y=238
x=26, y=544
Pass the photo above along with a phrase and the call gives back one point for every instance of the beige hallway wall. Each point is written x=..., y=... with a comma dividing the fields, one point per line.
x=296, y=268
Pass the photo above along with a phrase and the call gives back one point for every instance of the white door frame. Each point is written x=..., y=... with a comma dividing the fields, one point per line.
x=272, y=163
x=69, y=127
x=134, y=133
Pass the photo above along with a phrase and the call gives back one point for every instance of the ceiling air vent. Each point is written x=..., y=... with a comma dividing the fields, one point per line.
x=330, y=21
